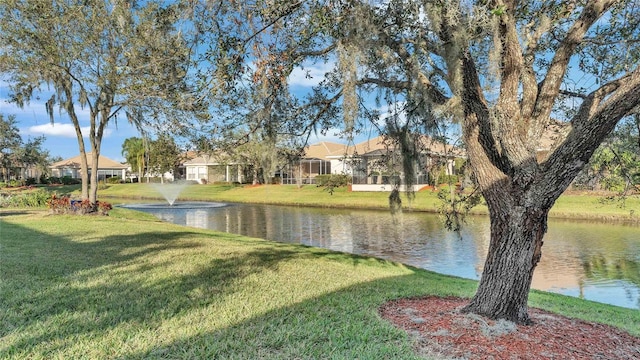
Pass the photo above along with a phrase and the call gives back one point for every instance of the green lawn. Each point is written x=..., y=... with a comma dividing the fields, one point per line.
x=568, y=206
x=128, y=286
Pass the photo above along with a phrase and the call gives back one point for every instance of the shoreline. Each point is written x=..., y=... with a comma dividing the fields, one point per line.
x=630, y=216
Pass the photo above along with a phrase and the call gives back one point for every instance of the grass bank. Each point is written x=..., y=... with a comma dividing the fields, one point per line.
x=133, y=287
x=569, y=206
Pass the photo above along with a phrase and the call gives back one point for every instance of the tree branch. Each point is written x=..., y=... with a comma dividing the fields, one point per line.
x=591, y=102
x=269, y=24
x=477, y=126
x=512, y=62
x=314, y=53
x=530, y=86
x=596, y=118
x=413, y=70
x=391, y=84
x=550, y=86
x=324, y=104
x=573, y=94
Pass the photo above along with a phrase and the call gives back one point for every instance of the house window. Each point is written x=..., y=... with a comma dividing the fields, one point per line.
x=202, y=172
x=105, y=174
x=191, y=173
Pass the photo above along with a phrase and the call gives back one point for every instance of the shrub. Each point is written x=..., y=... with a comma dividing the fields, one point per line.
x=68, y=180
x=5, y=199
x=30, y=181
x=59, y=204
x=613, y=183
x=114, y=180
x=64, y=205
x=36, y=198
x=104, y=208
x=447, y=179
x=82, y=207
x=54, y=180
x=3, y=185
x=332, y=181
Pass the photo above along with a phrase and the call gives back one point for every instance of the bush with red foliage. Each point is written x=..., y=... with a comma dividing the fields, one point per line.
x=59, y=205
x=64, y=205
x=104, y=207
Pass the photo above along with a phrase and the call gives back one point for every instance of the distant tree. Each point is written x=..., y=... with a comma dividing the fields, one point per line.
x=615, y=165
x=262, y=157
x=16, y=154
x=164, y=155
x=32, y=154
x=10, y=142
x=117, y=59
x=135, y=152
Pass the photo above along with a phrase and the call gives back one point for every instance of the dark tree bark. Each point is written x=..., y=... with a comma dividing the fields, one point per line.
x=514, y=251
x=519, y=187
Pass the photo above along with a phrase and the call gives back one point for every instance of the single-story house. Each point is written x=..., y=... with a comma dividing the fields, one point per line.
x=18, y=171
x=71, y=167
x=319, y=159
x=367, y=163
x=206, y=169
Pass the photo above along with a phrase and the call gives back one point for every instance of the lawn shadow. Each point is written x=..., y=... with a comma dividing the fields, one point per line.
x=133, y=295
x=343, y=324
x=4, y=212
x=80, y=288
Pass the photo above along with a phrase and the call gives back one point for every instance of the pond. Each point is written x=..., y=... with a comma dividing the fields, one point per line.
x=594, y=261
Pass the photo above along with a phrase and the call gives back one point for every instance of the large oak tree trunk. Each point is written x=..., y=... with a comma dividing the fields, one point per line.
x=518, y=196
x=514, y=252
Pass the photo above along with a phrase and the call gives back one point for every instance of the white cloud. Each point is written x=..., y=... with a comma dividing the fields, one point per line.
x=396, y=110
x=310, y=75
x=59, y=129
x=35, y=110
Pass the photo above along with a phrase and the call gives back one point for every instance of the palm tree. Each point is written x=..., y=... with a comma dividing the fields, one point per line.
x=133, y=149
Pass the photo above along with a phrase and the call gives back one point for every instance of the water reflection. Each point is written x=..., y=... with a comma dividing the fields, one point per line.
x=598, y=262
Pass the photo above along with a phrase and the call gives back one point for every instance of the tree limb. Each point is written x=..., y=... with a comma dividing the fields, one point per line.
x=477, y=128
x=390, y=84
x=413, y=70
x=550, y=86
x=573, y=94
x=512, y=61
x=269, y=24
x=541, y=26
x=598, y=115
x=314, y=53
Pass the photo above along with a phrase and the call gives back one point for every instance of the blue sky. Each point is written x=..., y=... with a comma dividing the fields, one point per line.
x=60, y=136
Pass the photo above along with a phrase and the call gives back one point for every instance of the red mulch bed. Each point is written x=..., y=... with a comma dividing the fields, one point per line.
x=440, y=329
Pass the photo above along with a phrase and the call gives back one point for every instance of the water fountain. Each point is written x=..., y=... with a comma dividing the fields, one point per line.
x=170, y=191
